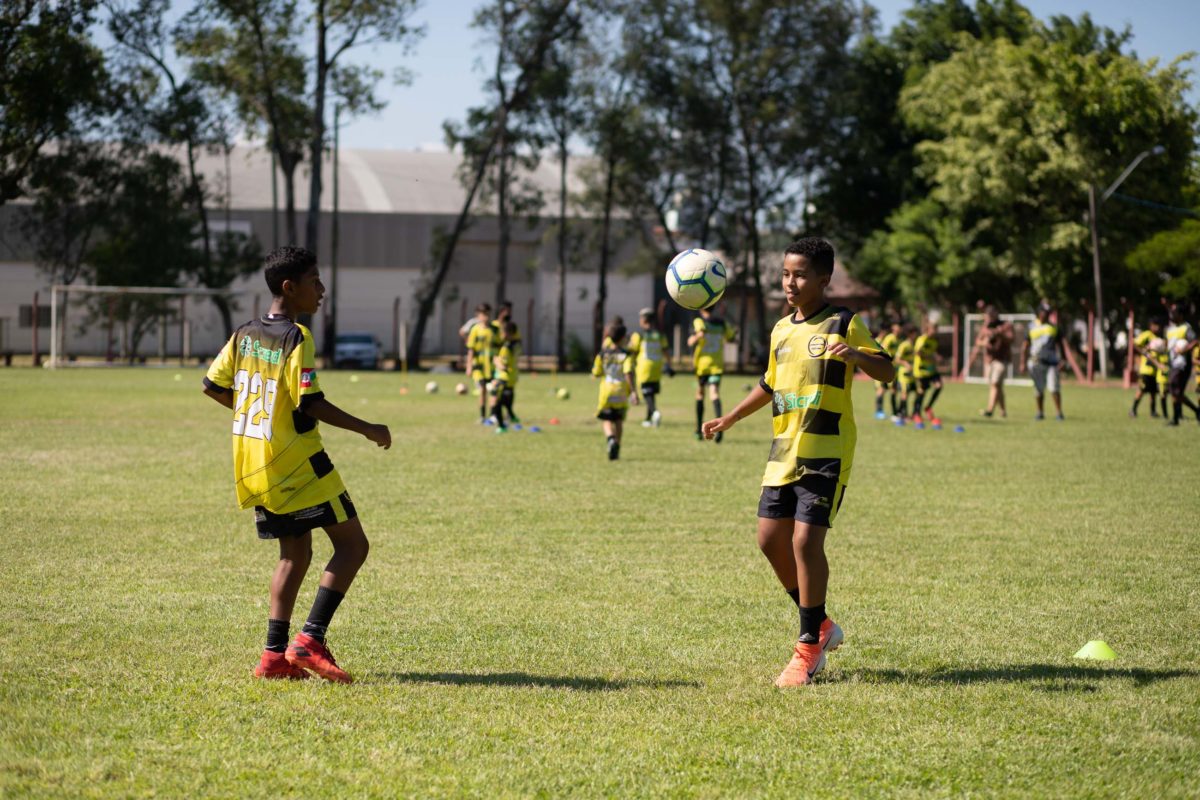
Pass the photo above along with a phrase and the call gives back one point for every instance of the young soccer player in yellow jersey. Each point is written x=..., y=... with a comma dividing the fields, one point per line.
x=505, y=382
x=929, y=379
x=503, y=317
x=479, y=355
x=709, y=335
x=1148, y=370
x=649, y=348
x=614, y=367
x=266, y=374
x=890, y=341
x=810, y=370
x=1181, y=343
x=903, y=358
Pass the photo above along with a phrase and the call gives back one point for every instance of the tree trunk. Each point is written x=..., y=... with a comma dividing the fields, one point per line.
x=602, y=295
x=317, y=143
x=560, y=333
x=502, y=214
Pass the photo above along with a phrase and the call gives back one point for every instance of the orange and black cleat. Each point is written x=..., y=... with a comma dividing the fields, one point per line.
x=275, y=666
x=305, y=652
x=807, y=661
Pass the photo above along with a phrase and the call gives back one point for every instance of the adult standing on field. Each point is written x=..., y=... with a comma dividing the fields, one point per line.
x=1041, y=353
x=995, y=342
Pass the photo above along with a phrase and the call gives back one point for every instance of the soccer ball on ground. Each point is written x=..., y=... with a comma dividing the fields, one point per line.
x=431, y=387
x=563, y=394
x=460, y=388
x=696, y=279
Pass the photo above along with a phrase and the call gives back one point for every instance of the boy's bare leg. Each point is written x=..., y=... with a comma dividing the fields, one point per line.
x=812, y=567
x=350, y=548
x=715, y=395
x=295, y=554
x=775, y=541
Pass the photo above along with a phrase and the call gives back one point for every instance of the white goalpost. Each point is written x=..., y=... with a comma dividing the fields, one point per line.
x=973, y=371
x=162, y=310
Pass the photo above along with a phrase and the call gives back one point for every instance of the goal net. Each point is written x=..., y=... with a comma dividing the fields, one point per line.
x=973, y=373
x=95, y=326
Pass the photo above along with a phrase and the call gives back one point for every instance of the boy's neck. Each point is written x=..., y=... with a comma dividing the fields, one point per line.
x=279, y=308
x=806, y=310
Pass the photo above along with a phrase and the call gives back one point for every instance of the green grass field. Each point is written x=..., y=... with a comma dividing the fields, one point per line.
x=535, y=620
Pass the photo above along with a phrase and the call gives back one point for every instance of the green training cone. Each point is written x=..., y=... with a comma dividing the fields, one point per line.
x=1097, y=651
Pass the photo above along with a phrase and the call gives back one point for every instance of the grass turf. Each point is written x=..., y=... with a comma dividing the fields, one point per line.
x=534, y=620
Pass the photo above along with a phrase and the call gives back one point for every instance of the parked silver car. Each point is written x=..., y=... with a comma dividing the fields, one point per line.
x=357, y=350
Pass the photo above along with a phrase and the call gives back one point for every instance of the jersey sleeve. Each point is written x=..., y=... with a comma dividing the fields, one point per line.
x=635, y=345
x=302, y=372
x=768, y=379
x=859, y=337
x=730, y=332
x=698, y=325
x=627, y=366
x=220, y=372
x=598, y=366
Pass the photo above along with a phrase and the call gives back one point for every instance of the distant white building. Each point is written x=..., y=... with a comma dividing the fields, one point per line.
x=391, y=204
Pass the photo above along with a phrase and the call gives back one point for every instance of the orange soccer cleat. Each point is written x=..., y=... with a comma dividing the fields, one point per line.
x=916, y=418
x=275, y=666
x=807, y=661
x=831, y=636
x=306, y=652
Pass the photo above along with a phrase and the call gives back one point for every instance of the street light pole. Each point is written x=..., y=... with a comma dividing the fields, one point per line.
x=1093, y=209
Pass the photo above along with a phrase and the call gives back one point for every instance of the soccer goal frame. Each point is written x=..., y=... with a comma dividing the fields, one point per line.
x=59, y=313
x=973, y=369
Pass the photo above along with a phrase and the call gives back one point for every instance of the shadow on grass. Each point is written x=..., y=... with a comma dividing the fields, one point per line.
x=1048, y=677
x=524, y=679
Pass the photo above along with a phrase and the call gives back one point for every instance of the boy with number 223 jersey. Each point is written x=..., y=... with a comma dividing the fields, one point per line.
x=266, y=374
x=810, y=369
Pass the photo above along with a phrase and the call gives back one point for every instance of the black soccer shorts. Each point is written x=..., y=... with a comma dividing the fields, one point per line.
x=815, y=499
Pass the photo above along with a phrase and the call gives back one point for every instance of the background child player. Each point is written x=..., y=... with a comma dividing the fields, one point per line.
x=1148, y=370
x=504, y=384
x=649, y=347
x=709, y=335
x=614, y=366
x=903, y=359
x=266, y=374
x=1181, y=341
x=889, y=342
x=929, y=379
x=810, y=370
x=480, y=340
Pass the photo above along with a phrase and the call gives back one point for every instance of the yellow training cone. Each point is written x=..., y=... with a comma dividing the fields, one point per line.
x=1097, y=651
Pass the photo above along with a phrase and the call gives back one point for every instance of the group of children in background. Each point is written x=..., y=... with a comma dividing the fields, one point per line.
x=918, y=381
x=1170, y=356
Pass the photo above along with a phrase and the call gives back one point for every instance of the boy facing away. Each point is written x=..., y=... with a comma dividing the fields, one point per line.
x=810, y=369
x=614, y=367
x=266, y=375
x=649, y=347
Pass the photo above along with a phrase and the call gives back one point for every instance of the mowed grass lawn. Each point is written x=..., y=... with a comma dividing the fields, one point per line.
x=534, y=620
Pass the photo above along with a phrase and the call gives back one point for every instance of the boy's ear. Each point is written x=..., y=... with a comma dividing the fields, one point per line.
x=287, y=287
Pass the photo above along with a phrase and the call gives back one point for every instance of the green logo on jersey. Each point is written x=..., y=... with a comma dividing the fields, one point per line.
x=786, y=402
x=255, y=349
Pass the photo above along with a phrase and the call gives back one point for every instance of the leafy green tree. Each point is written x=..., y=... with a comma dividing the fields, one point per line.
x=1170, y=260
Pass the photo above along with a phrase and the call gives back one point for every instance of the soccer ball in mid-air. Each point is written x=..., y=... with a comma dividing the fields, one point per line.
x=431, y=387
x=696, y=279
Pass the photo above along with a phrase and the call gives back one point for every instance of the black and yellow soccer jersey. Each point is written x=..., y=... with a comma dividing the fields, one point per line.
x=611, y=365
x=1142, y=342
x=926, y=353
x=495, y=326
x=278, y=459
x=649, y=348
x=480, y=342
x=506, y=362
x=889, y=343
x=709, y=355
x=903, y=358
x=812, y=411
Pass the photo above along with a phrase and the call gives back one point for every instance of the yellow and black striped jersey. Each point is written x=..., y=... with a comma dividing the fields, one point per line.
x=649, y=347
x=278, y=459
x=812, y=411
x=612, y=363
x=506, y=362
x=889, y=342
x=480, y=342
x=709, y=355
x=496, y=332
x=905, y=352
x=1142, y=342
x=926, y=351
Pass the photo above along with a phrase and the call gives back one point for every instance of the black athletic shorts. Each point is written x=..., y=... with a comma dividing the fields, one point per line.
x=929, y=380
x=1178, y=378
x=651, y=387
x=612, y=414
x=815, y=499
x=297, y=523
x=708, y=380
x=1150, y=384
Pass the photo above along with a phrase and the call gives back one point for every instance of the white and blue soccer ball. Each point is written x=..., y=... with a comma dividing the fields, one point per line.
x=696, y=279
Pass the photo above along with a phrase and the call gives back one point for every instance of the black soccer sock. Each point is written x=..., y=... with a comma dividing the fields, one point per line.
x=878, y=403
x=1178, y=410
x=277, y=635
x=716, y=408
x=895, y=405
x=929, y=406
x=509, y=395
x=651, y=402
x=498, y=411
x=1164, y=406
x=322, y=612
x=1137, y=399
x=1187, y=401
x=810, y=623
x=795, y=595
x=699, y=414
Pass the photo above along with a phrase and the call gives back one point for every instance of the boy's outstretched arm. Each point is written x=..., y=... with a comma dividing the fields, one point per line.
x=222, y=396
x=324, y=411
x=879, y=367
x=757, y=398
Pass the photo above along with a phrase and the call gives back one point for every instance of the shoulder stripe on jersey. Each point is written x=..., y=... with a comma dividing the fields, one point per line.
x=844, y=315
